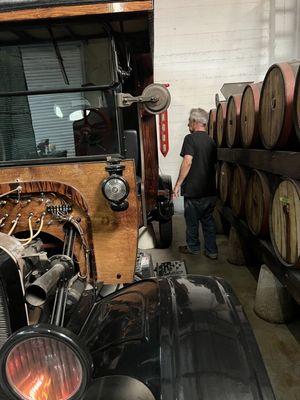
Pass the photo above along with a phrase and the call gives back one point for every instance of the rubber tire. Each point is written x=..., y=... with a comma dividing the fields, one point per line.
x=165, y=227
x=165, y=234
x=165, y=182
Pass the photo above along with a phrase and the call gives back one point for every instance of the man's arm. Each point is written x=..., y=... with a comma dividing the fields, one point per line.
x=184, y=170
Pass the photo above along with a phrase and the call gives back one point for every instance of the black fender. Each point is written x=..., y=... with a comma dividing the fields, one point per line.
x=181, y=337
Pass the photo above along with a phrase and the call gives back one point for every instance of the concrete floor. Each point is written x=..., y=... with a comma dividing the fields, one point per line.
x=279, y=343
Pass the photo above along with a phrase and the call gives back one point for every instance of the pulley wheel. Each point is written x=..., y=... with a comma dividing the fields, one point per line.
x=161, y=93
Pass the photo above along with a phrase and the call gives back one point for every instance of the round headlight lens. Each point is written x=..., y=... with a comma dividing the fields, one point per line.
x=43, y=368
x=115, y=189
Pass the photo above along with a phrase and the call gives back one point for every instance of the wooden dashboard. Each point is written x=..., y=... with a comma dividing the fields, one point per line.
x=36, y=192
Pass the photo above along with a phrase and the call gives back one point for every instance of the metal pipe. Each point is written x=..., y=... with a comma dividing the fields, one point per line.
x=60, y=306
x=68, y=249
x=36, y=294
x=113, y=85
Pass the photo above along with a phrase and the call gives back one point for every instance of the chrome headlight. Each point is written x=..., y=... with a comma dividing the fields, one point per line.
x=44, y=362
x=115, y=189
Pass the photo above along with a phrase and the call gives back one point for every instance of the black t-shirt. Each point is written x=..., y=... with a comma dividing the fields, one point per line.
x=201, y=179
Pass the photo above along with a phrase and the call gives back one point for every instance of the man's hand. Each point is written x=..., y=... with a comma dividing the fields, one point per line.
x=176, y=191
x=184, y=170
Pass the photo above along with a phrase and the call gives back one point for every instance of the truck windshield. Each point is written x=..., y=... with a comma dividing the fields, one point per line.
x=58, y=125
x=56, y=97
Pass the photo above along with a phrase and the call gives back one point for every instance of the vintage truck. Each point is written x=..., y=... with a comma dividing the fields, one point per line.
x=78, y=177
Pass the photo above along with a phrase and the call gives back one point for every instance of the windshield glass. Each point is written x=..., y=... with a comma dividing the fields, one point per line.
x=65, y=118
x=58, y=125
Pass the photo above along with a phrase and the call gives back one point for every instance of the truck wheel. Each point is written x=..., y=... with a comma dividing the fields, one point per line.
x=165, y=214
x=165, y=234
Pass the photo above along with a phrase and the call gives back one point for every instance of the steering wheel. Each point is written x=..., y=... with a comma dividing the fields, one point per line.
x=92, y=134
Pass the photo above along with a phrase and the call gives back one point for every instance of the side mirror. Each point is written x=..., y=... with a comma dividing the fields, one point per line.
x=155, y=97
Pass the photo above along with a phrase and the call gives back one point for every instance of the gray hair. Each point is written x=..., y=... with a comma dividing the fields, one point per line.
x=199, y=115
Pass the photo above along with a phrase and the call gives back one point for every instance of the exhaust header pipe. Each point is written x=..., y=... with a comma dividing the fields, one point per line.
x=37, y=293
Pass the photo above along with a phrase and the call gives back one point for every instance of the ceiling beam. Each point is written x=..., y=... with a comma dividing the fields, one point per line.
x=75, y=11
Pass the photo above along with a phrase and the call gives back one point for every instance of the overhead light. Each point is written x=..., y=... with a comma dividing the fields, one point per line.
x=74, y=110
x=78, y=115
x=58, y=111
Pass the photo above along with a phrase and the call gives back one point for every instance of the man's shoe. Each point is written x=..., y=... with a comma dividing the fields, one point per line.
x=211, y=256
x=186, y=250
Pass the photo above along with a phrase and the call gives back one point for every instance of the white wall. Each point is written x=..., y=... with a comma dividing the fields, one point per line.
x=200, y=44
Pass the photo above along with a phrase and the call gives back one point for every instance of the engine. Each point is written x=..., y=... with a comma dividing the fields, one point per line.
x=45, y=258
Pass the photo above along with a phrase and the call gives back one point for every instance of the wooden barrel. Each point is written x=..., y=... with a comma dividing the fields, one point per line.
x=224, y=182
x=233, y=121
x=212, y=124
x=249, y=115
x=238, y=191
x=285, y=222
x=218, y=170
x=297, y=106
x=221, y=124
x=257, y=204
x=276, y=105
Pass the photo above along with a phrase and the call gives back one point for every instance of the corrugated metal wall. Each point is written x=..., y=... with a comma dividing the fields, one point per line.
x=16, y=134
x=42, y=70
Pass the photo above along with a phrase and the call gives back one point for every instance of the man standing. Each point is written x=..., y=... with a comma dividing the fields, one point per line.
x=197, y=182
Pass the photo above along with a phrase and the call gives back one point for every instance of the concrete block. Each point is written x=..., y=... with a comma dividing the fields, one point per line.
x=218, y=222
x=235, y=251
x=146, y=239
x=273, y=303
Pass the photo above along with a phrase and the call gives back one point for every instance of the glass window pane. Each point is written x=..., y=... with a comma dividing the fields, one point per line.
x=59, y=125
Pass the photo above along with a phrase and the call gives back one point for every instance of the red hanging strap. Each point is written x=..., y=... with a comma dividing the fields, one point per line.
x=164, y=131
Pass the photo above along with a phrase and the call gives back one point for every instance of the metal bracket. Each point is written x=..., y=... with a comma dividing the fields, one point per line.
x=155, y=98
x=126, y=99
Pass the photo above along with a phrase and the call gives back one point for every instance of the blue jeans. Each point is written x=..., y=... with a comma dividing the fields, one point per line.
x=200, y=210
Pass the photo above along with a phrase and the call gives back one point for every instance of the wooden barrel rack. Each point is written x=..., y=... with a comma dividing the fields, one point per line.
x=265, y=208
x=257, y=204
x=233, y=121
x=249, y=116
